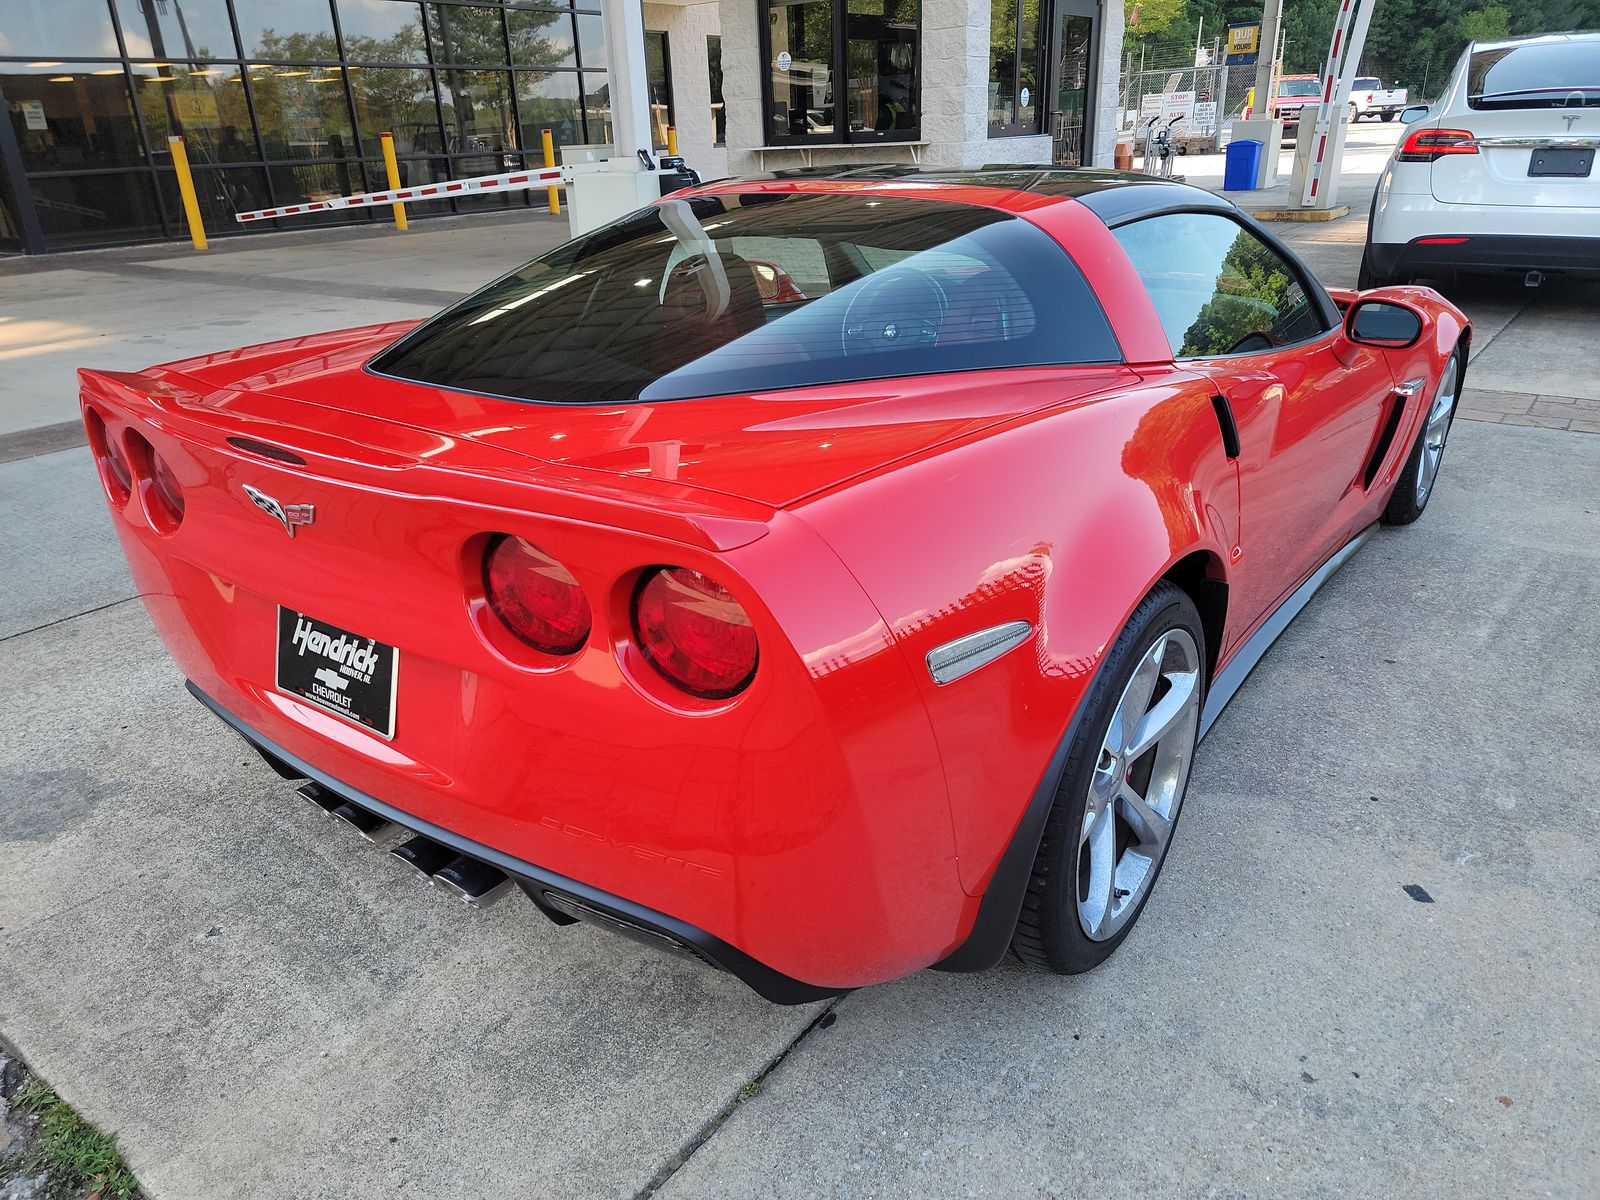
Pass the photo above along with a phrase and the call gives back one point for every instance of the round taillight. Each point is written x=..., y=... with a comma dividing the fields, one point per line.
x=168, y=491
x=694, y=633
x=110, y=457
x=535, y=597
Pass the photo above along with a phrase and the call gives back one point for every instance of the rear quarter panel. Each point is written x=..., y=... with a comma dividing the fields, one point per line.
x=1065, y=520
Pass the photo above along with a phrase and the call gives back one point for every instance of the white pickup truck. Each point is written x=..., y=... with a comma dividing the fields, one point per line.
x=1369, y=98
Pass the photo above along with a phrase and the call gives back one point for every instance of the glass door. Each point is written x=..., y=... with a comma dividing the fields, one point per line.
x=1074, y=44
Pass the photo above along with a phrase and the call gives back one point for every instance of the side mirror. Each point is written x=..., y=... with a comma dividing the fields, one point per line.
x=1413, y=113
x=1383, y=324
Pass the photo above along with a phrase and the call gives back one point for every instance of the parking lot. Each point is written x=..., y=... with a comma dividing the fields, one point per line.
x=1369, y=968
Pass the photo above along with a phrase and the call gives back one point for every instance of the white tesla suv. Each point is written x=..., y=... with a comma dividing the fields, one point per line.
x=1499, y=173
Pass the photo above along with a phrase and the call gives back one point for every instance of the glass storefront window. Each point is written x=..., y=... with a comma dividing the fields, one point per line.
x=177, y=29
x=881, y=65
x=296, y=183
x=303, y=112
x=597, y=110
x=540, y=38
x=477, y=113
x=592, y=41
x=198, y=101
x=287, y=30
x=548, y=100
x=382, y=31
x=1015, y=69
x=73, y=28
x=78, y=210
x=470, y=36
x=800, y=96
x=397, y=101
x=71, y=116
x=222, y=192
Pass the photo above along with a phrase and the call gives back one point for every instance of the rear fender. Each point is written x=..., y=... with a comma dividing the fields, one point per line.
x=1064, y=521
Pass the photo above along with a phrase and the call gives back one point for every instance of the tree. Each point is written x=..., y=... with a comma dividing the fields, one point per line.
x=1143, y=17
x=1487, y=24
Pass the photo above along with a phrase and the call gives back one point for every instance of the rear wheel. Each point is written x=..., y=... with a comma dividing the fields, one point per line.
x=1355, y=113
x=1388, y=116
x=1371, y=277
x=1417, y=477
x=1117, y=805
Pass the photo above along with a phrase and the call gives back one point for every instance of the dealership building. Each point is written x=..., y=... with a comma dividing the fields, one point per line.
x=281, y=102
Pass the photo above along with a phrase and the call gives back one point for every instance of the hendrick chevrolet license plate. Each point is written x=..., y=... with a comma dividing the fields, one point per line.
x=349, y=675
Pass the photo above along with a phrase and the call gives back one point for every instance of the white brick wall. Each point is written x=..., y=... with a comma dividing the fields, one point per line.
x=687, y=27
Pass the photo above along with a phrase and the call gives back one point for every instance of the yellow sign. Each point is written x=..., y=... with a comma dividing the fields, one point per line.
x=195, y=110
x=1244, y=42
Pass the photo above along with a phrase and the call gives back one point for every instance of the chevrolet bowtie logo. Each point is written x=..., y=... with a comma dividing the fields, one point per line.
x=287, y=515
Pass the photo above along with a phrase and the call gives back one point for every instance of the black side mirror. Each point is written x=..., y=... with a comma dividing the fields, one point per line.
x=1413, y=113
x=1383, y=324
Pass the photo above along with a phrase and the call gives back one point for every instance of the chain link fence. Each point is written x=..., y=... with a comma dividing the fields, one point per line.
x=1197, y=103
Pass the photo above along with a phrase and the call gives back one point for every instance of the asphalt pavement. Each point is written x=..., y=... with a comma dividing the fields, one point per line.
x=1369, y=968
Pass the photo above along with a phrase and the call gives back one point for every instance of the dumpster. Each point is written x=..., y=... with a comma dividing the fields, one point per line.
x=1242, y=166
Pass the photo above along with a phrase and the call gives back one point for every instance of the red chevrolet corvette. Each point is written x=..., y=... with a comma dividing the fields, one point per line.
x=827, y=618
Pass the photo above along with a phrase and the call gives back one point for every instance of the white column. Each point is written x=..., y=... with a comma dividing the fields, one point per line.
x=625, y=75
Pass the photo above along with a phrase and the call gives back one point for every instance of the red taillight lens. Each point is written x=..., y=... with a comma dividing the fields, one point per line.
x=1426, y=145
x=168, y=491
x=694, y=633
x=535, y=596
x=110, y=457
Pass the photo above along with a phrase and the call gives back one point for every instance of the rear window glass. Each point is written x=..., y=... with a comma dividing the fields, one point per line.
x=753, y=292
x=1367, y=84
x=1547, y=75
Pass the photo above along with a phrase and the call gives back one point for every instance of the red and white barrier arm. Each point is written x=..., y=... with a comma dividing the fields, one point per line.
x=513, y=181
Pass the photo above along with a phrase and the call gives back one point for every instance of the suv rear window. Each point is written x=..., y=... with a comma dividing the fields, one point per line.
x=1538, y=75
x=757, y=291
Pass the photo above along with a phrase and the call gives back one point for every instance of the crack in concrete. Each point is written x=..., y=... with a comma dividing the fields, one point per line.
x=709, y=1129
x=69, y=617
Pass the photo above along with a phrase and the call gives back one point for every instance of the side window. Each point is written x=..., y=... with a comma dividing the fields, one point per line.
x=1217, y=287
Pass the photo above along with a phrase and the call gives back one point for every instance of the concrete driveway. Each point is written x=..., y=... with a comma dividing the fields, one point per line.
x=257, y=1004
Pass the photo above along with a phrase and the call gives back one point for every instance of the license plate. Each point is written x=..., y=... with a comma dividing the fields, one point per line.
x=1571, y=164
x=351, y=676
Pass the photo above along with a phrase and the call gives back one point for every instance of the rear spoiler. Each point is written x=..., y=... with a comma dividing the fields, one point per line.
x=376, y=452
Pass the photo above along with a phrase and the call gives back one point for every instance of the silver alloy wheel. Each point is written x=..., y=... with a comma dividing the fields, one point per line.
x=1138, y=784
x=1438, y=428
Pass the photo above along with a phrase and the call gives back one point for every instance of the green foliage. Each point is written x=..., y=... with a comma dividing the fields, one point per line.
x=1151, y=16
x=69, y=1148
x=1412, y=43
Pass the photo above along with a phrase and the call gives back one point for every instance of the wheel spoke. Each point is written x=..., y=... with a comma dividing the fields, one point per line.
x=1168, y=711
x=1100, y=838
x=1135, y=698
x=1150, y=827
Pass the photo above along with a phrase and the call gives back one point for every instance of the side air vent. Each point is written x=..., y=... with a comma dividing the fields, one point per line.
x=266, y=450
x=1225, y=422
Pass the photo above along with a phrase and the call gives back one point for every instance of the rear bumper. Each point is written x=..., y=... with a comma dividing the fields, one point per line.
x=1493, y=252
x=548, y=889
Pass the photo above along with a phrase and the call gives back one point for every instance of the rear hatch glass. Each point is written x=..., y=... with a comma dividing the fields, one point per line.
x=751, y=292
x=1536, y=75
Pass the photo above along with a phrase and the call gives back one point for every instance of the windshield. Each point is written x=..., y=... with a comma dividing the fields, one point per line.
x=1299, y=87
x=758, y=291
x=1547, y=75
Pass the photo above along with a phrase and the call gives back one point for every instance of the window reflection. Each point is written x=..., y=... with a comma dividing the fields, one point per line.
x=287, y=30
x=801, y=70
x=397, y=101
x=548, y=100
x=471, y=36
x=177, y=28
x=881, y=50
x=382, y=31
x=77, y=210
x=303, y=111
x=542, y=39
x=79, y=28
x=592, y=41
x=477, y=114
x=222, y=192
x=597, y=109
x=201, y=101
x=658, y=80
x=71, y=116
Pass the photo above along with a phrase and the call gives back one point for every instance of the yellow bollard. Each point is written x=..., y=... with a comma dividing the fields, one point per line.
x=191, y=202
x=392, y=166
x=550, y=161
x=672, y=140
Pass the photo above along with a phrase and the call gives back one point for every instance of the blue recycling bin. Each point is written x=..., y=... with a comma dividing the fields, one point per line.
x=1243, y=161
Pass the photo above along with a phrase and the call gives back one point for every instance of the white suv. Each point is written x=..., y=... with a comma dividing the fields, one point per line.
x=1499, y=173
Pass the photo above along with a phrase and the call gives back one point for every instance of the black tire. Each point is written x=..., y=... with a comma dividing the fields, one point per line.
x=1369, y=277
x=1388, y=116
x=1049, y=933
x=1355, y=113
x=1408, y=500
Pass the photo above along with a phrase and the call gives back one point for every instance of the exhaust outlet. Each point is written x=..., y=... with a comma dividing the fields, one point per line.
x=321, y=797
x=474, y=883
x=380, y=831
x=424, y=856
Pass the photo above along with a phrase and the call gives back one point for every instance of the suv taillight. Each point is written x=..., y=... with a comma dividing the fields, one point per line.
x=694, y=633
x=1427, y=145
x=535, y=597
